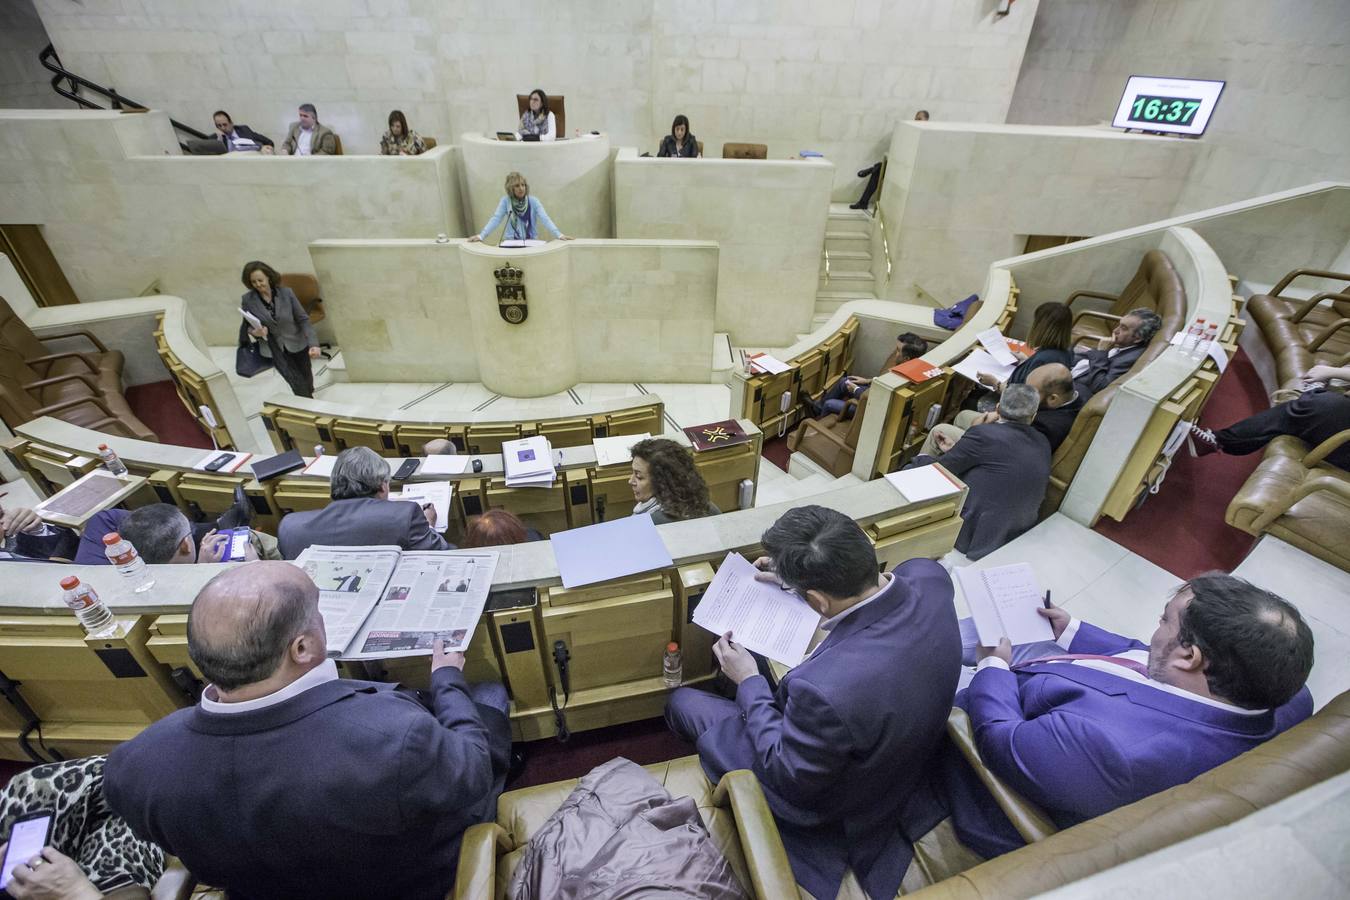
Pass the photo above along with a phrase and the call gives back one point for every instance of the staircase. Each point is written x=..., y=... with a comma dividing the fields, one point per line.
x=845, y=262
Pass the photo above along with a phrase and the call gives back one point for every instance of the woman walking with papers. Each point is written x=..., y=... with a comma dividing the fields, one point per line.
x=523, y=214
x=666, y=483
x=275, y=315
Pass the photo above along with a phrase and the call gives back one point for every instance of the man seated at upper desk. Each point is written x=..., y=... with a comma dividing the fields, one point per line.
x=841, y=747
x=1095, y=369
x=288, y=781
x=850, y=387
x=1111, y=720
x=307, y=137
x=361, y=513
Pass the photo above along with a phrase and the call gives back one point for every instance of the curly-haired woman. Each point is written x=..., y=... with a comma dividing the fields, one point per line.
x=666, y=483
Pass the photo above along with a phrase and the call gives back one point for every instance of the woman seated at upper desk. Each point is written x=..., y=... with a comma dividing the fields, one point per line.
x=679, y=143
x=666, y=483
x=537, y=123
x=523, y=214
x=398, y=140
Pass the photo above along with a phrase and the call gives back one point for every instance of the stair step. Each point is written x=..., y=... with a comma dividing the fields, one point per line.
x=846, y=261
x=855, y=277
x=848, y=236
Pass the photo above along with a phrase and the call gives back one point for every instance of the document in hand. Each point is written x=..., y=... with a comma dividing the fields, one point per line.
x=923, y=483
x=978, y=361
x=1003, y=601
x=252, y=319
x=762, y=617
x=380, y=602
x=609, y=550
x=437, y=493
x=992, y=340
x=528, y=462
x=613, y=451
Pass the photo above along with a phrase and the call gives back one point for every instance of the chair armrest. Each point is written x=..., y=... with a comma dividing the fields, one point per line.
x=1313, y=273
x=478, y=851
x=1325, y=334
x=44, y=382
x=52, y=357
x=80, y=332
x=770, y=872
x=70, y=404
x=1030, y=821
x=1331, y=483
x=1096, y=295
x=1312, y=302
x=1319, y=453
x=814, y=425
x=1094, y=314
x=177, y=883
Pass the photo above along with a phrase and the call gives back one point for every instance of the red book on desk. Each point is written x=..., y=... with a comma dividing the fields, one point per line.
x=917, y=370
x=716, y=435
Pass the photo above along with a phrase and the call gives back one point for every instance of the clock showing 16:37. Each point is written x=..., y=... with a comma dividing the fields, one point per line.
x=1150, y=109
x=1161, y=104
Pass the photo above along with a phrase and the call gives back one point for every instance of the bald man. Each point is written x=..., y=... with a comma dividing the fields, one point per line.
x=288, y=781
x=1060, y=404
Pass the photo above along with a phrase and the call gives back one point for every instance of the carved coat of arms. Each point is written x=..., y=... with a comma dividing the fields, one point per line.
x=511, y=294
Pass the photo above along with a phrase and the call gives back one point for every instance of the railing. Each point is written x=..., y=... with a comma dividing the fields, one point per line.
x=52, y=63
x=885, y=244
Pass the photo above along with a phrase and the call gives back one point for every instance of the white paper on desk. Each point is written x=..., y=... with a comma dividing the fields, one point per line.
x=1003, y=601
x=613, y=451
x=770, y=364
x=252, y=319
x=992, y=339
x=444, y=464
x=761, y=617
x=515, y=245
x=609, y=550
x=437, y=493
x=978, y=361
x=923, y=483
x=237, y=459
x=322, y=466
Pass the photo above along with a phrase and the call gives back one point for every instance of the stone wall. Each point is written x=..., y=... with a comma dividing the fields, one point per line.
x=833, y=76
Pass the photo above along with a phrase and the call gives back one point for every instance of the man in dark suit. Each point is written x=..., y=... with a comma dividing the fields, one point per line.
x=1006, y=465
x=1060, y=402
x=841, y=746
x=1114, y=356
x=1112, y=720
x=24, y=536
x=361, y=513
x=287, y=781
x=239, y=137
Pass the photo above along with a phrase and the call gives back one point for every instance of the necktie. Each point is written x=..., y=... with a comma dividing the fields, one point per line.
x=1069, y=657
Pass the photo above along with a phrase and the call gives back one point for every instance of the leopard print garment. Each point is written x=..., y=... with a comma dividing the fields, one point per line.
x=84, y=828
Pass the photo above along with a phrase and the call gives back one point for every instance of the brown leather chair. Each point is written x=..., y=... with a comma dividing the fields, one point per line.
x=428, y=142
x=104, y=365
x=1296, y=497
x=1154, y=283
x=745, y=151
x=829, y=441
x=1304, y=333
x=337, y=144
x=306, y=289
x=74, y=397
x=556, y=105
x=735, y=812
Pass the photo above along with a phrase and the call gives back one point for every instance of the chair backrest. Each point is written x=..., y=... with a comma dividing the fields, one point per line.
x=855, y=423
x=428, y=142
x=1154, y=283
x=556, y=105
x=700, y=147
x=337, y=144
x=745, y=151
x=305, y=286
x=14, y=332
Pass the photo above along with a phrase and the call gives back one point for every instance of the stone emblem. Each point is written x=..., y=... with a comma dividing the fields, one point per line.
x=511, y=294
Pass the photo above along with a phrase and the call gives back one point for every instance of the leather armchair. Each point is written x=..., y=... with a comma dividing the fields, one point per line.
x=735, y=811
x=830, y=442
x=1303, y=333
x=73, y=397
x=1155, y=286
x=100, y=361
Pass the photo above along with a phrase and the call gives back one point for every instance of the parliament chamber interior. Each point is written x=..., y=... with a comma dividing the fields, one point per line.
x=922, y=468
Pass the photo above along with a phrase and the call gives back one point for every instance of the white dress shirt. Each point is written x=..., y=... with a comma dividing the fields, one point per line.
x=303, y=141
x=323, y=673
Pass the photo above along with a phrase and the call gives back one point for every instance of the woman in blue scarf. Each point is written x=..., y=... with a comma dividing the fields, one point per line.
x=523, y=214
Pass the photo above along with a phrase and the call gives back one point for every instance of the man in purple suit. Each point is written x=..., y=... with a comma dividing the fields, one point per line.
x=841, y=747
x=1112, y=720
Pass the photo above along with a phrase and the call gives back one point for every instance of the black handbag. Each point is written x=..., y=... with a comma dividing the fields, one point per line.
x=248, y=357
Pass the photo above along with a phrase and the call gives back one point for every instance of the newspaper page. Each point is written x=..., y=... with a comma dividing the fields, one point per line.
x=350, y=582
x=430, y=595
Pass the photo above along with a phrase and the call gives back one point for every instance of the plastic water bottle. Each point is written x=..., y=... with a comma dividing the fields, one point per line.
x=1193, y=336
x=110, y=460
x=128, y=562
x=88, y=608
x=672, y=666
x=1211, y=335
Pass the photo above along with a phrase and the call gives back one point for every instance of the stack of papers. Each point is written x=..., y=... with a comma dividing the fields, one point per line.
x=923, y=483
x=321, y=466
x=992, y=340
x=765, y=363
x=528, y=462
x=437, y=493
x=588, y=555
x=614, y=451
x=978, y=361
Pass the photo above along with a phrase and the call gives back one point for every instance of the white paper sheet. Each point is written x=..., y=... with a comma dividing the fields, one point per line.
x=992, y=340
x=528, y=462
x=770, y=364
x=252, y=319
x=609, y=550
x=321, y=466
x=1003, y=601
x=430, y=595
x=443, y=464
x=922, y=483
x=437, y=493
x=761, y=617
x=350, y=582
x=978, y=361
x=613, y=451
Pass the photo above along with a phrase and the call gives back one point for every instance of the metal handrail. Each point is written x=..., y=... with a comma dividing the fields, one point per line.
x=885, y=244
x=52, y=63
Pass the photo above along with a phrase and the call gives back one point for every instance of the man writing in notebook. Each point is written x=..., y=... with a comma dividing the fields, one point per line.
x=842, y=745
x=1110, y=720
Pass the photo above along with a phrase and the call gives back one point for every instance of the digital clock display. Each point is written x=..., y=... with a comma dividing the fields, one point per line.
x=1164, y=104
x=1175, y=110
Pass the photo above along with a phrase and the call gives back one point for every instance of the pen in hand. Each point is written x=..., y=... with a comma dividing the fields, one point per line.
x=1047, y=600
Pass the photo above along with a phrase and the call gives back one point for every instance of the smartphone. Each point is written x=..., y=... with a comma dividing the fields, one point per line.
x=238, y=544
x=407, y=469
x=26, y=840
x=216, y=464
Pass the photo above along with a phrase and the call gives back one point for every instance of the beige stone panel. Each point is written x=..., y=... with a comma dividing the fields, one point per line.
x=570, y=178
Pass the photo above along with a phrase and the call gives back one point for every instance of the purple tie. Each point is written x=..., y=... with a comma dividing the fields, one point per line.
x=1069, y=657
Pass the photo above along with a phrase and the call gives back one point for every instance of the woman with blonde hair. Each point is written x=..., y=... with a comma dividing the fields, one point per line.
x=523, y=214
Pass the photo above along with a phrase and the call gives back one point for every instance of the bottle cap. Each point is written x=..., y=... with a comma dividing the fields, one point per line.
x=69, y=582
x=111, y=538
x=105, y=446
x=672, y=647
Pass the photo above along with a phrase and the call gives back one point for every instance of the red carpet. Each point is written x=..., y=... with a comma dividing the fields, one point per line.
x=776, y=452
x=158, y=406
x=1182, y=529
x=645, y=742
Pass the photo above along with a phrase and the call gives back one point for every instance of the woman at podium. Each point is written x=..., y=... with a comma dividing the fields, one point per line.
x=666, y=483
x=679, y=143
x=522, y=214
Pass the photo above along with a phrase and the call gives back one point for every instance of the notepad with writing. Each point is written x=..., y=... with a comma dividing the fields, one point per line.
x=1003, y=601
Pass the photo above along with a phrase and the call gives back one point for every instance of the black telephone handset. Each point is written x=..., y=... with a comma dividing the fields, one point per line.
x=599, y=509
x=560, y=659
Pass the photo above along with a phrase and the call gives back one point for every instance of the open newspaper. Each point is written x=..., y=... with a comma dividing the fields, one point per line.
x=382, y=602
